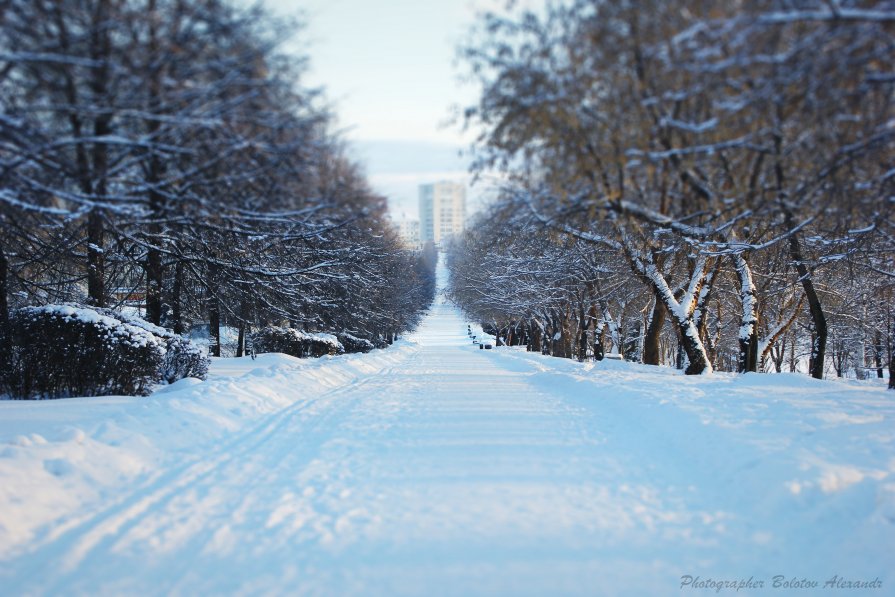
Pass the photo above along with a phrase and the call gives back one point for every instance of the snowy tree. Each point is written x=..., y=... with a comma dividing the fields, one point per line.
x=165, y=152
x=689, y=140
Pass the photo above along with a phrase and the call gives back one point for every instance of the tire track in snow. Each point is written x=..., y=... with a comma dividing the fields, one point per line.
x=84, y=541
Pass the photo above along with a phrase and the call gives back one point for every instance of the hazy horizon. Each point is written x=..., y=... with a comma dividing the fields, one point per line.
x=389, y=70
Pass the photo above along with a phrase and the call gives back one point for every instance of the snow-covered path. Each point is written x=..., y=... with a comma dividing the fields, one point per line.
x=457, y=471
x=448, y=473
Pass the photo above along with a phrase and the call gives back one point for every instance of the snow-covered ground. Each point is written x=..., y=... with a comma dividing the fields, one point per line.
x=436, y=468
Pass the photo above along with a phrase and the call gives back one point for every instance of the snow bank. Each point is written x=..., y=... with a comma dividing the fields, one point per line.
x=58, y=458
x=795, y=475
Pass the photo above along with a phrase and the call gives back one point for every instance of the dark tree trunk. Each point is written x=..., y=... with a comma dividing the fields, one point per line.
x=534, y=344
x=96, y=262
x=819, y=342
x=878, y=353
x=155, y=167
x=651, y=353
x=214, y=312
x=749, y=353
x=177, y=299
x=155, y=273
x=559, y=345
x=4, y=307
x=582, y=336
x=777, y=355
x=818, y=319
x=154, y=285
x=241, y=341
x=599, y=353
x=100, y=49
x=214, y=327
x=550, y=340
x=244, y=328
x=632, y=342
x=892, y=359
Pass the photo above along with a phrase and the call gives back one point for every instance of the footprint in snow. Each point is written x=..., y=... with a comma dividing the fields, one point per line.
x=58, y=467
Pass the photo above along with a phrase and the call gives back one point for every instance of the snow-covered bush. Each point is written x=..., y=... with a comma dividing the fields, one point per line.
x=295, y=343
x=183, y=358
x=354, y=344
x=58, y=351
x=380, y=341
x=62, y=350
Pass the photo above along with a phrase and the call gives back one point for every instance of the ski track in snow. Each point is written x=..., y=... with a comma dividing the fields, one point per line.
x=449, y=470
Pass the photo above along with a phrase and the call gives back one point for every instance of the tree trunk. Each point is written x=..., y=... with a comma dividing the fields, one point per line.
x=777, y=355
x=564, y=344
x=535, y=334
x=176, y=299
x=748, y=333
x=214, y=327
x=582, y=335
x=697, y=360
x=651, y=352
x=100, y=50
x=819, y=320
x=96, y=263
x=154, y=284
x=599, y=353
x=4, y=308
x=861, y=370
x=892, y=359
x=244, y=327
x=632, y=342
x=553, y=331
x=792, y=356
x=681, y=310
x=214, y=312
x=878, y=353
x=819, y=343
x=241, y=340
x=154, y=268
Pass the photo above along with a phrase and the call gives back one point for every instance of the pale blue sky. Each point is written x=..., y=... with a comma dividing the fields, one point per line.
x=389, y=68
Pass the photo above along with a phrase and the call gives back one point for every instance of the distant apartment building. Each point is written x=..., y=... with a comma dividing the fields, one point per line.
x=409, y=230
x=442, y=211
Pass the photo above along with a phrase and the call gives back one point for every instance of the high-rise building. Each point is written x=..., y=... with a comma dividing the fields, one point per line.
x=409, y=230
x=442, y=211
